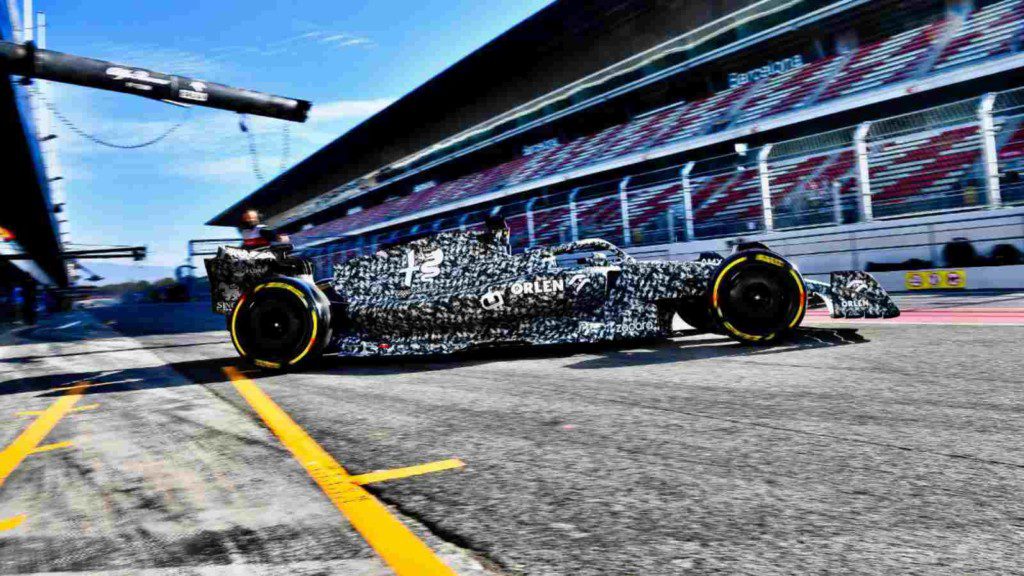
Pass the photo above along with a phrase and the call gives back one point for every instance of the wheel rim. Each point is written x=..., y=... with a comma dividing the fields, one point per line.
x=274, y=326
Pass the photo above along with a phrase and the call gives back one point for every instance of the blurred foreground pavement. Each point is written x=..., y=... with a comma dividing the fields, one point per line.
x=874, y=449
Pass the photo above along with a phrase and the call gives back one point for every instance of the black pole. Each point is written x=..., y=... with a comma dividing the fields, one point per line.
x=31, y=62
x=133, y=252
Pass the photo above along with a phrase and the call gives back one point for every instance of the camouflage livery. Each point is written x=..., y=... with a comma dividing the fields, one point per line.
x=461, y=290
x=456, y=291
x=235, y=271
x=853, y=295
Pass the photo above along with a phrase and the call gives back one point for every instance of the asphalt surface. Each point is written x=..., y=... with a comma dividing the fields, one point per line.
x=858, y=448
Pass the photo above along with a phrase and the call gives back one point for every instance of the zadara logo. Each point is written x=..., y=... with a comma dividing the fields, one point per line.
x=428, y=269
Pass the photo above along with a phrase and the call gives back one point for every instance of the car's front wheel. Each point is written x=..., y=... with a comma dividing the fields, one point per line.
x=757, y=296
x=281, y=324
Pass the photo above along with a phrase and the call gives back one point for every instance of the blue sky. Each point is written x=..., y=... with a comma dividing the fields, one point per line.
x=350, y=58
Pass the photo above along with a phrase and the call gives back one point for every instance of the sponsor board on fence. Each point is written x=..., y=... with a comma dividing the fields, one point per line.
x=936, y=280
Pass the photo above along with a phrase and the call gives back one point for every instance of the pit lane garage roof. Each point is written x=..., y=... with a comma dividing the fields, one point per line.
x=26, y=210
x=558, y=45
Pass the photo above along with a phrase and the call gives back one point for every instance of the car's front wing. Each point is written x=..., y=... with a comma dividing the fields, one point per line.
x=853, y=295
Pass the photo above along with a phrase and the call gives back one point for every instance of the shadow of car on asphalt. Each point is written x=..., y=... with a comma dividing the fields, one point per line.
x=601, y=355
x=608, y=354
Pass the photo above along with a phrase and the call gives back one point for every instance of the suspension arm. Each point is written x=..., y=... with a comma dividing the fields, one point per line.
x=31, y=62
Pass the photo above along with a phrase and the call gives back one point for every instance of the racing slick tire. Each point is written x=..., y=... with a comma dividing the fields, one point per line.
x=283, y=323
x=757, y=296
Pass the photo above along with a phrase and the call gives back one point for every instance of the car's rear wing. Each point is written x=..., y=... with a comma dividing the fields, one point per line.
x=234, y=271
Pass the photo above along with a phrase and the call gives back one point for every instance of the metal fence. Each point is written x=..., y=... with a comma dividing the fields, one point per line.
x=962, y=156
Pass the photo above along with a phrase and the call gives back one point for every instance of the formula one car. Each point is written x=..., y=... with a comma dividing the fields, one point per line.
x=457, y=291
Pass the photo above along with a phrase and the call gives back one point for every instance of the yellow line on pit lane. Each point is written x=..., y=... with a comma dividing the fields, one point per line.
x=39, y=412
x=406, y=554
x=28, y=441
x=396, y=473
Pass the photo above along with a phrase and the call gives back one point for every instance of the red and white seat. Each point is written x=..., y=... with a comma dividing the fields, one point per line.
x=905, y=170
x=551, y=225
x=989, y=32
x=787, y=91
x=884, y=62
x=649, y=207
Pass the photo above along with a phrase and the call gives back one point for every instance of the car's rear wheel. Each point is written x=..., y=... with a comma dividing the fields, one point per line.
x=757, y=296
x=281, y=324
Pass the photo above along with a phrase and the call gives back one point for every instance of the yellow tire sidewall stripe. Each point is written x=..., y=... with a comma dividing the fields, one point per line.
x=768, y=260
x=305, y=302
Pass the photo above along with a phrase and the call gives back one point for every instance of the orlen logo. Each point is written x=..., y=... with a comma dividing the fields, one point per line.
x=538, y=286
x=428, y=269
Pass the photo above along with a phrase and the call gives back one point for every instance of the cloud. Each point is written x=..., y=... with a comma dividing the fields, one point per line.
x=333, y=38
x=349, y=109
x=158, y=58
x=292, y=44
x=344, y=40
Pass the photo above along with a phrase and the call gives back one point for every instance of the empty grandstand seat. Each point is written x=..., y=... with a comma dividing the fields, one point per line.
x=698, y=118
x=640, y=132
x=546, y=161
x=519, y=234
x=551, y=226
x=923, y=171
x=884, y=62
x=599, y=218
x=802, y=188
x=650, y=209
x=1011, y=153
x=989, y=32
x=722, y=202
x=786, y=91
x=588, y=150
x=1011, y=162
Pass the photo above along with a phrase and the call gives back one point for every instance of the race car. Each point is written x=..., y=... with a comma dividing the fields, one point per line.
x=463, y=290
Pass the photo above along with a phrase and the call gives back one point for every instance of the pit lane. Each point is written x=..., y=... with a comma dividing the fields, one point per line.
x=857, y=448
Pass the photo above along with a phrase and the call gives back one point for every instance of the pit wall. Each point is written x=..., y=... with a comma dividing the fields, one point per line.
x=817, y=251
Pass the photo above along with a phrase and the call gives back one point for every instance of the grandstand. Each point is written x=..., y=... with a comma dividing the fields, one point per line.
x=839, y=114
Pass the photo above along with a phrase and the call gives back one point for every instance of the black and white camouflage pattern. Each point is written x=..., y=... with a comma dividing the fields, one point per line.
x=235, y=271
x=853, y=294
x=460, y=290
